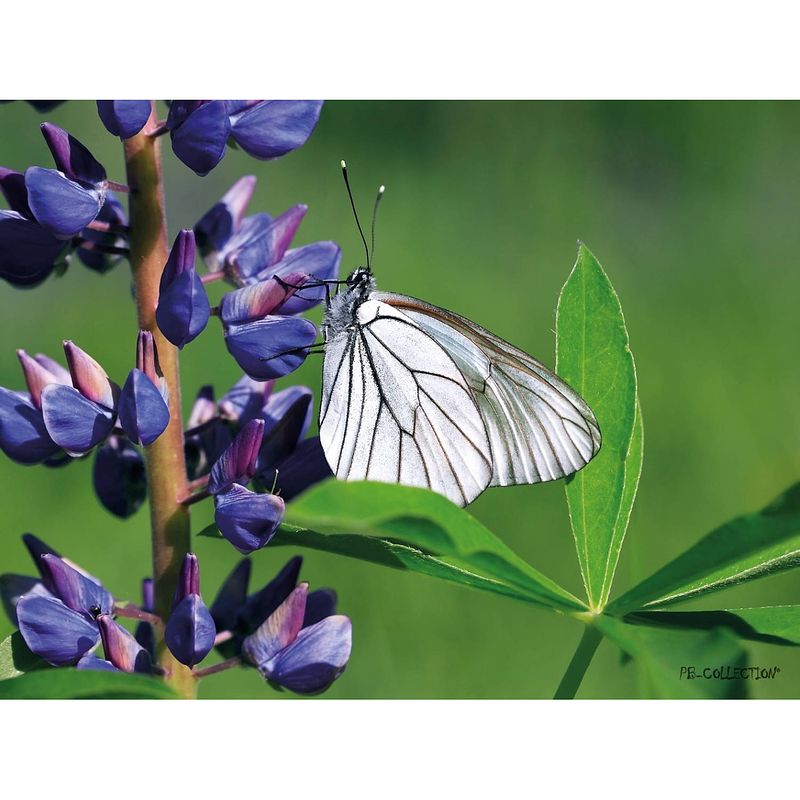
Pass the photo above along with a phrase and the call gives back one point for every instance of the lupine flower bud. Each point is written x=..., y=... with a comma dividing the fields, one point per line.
x=190, y=630
x=238, y=463
x=80, y=416
x=183, y=308
x=124, y=118
x=304, y=660
x=246, y=519
x=119, y=477
x=37, y=376
x=120, y=647
x=143, y=408
x=66, y=199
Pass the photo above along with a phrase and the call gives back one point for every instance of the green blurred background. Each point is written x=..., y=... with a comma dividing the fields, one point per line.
x=691, y=208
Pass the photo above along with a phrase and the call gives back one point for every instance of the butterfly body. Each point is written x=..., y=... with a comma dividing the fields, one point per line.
x=417, y=395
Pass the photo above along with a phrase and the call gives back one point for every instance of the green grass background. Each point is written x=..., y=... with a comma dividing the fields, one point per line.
x=692, y=209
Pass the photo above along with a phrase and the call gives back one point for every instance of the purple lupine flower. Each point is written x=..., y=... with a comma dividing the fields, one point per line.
x=144, y=401
x=246, y=519
x=94, y=257
x=119, y=477
x=305, y=660
x=265, y=343
x=123, y=653
x=190, y=630
x=241, y=614
x=124, y=118
x=23, y=434
x=221, y=222
x=28, y=252
x=207, y=434
x=266, y=129
x=80, y=416
x=66, y=199
x=183, y=308
x=59, y=621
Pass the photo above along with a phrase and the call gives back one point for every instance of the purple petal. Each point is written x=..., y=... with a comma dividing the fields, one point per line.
x=273, y=128
x=264, y=246
x=246, y=519
x=180, y=260
x=204, y=408
x=37, y=548
x=257, y=300
x=319, y=605
x=12, y=185
x=245, y=399
x=71, y=157
x=270, y=347
x=91, y=661
x=75, y=589
x=28, y=252
x=204, y=447
x=23, y=434
x=188, y=578
x=316, y=658
x=306, y=466
x=263, y=602
x=124, y=118
x=199, y=141
x=53, y=631
x=179, y=111
x=288, y=416
x=251, y=229
x=231, y=596
x=148, y=595
x=59, y=204
x=279, y=630
x=220, y=223
x=88, y=377
x=37, y=376
x=13, y=587
x=143, y=413
x=147, y=360
x=190, y=631
x=121, y=648
x=94, y=259
x=238, y=463
x=320, y=261
x=119, y=477
x=73, y=422
x=54, y=368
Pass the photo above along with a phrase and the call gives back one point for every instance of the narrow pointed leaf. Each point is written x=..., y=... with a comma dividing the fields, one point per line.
x=16, y=659
x=593, y=356
x=746, y=548
x=770, y=624
x=68, y=684
x=426, y=521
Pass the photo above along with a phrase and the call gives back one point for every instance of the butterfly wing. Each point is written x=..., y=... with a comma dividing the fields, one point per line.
x=539, y=428
x=395, y=408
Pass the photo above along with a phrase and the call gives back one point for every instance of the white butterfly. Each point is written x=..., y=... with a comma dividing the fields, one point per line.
x=417, y=395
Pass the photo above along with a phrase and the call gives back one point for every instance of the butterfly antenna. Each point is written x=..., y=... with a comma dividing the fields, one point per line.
x=378, y=199
x=355, y=213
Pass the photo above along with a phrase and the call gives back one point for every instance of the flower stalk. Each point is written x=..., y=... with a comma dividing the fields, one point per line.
x=164, y=459
x=577, y=667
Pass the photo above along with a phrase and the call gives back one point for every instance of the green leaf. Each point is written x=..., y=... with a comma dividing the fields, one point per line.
x=594, y=357
x=16, y=659
x=666, y=658
x=68, y=684
x=415, y=529
x=746, y=548
x=770, y=624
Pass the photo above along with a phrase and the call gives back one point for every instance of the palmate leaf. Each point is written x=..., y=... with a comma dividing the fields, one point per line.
x=663, y=657
x=67, y=684
x=770, y=624
x=418, y=530
x=746, y=548
x=594, y=357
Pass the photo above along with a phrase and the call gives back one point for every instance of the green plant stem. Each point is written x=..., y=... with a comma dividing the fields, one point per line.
x=166, y=467
x=580, y=663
